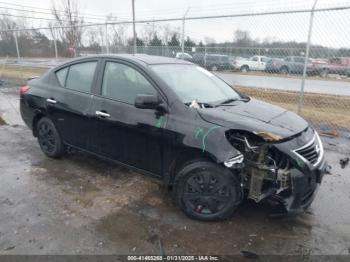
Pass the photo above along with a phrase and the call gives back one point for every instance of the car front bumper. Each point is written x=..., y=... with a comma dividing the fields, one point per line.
x=302, y=193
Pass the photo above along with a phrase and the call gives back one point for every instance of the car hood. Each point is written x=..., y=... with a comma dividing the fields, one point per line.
x=255, y=116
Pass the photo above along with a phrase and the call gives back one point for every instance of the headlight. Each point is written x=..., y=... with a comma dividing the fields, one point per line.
x=234, y=160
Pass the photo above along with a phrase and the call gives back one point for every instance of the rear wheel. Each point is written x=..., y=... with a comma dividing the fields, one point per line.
x=206, y=191
x=244, y=69
x=324, y=72
x=214, y=68
x=284, y=70
x=49, y=140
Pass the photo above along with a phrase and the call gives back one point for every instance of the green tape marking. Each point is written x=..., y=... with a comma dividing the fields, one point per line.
x=206, y=134
x=198, y=131
x=161, y=122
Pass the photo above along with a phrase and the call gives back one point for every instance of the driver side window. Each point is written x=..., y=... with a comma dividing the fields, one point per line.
x=124, y=83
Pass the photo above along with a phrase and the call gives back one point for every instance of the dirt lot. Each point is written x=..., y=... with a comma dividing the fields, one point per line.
x=82, y=205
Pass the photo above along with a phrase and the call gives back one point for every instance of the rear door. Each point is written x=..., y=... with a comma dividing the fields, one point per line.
x=299, y=64
x=69, y=103
x=122, y=131
x=254, y=63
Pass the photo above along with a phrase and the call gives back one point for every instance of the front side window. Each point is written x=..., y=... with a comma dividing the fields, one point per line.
x=265, y=59
x=61, y=76
x=299, y=60
x=124, y=83
x=192, y=82
x=80, y=76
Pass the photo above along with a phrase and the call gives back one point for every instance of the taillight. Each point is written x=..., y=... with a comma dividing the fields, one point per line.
x=24, y=89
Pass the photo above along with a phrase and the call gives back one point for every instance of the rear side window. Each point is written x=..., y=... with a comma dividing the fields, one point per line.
x=80, y=76
x=61, y=76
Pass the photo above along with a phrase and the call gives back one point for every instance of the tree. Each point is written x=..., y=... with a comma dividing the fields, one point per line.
x=67, y=16
x=189, y=42
x=242, y=38
x=155, y=41
x=174, y=41
x=139, y=42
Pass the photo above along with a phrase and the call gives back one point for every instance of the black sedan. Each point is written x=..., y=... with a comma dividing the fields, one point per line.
x=171, y=119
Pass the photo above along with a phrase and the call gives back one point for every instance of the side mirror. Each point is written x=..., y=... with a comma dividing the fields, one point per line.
x=147, y=101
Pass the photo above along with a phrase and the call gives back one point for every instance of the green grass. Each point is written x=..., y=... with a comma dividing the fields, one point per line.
x=330, y=110
x=18, y=73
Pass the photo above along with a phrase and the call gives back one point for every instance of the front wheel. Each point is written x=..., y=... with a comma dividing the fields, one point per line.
x=244, y=69
x=49, y=139
x=207, y=191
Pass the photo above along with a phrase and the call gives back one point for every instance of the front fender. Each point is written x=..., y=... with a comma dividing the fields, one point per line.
x=211, y=140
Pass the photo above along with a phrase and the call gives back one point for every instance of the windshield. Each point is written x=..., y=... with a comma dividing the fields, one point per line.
x=192, y=82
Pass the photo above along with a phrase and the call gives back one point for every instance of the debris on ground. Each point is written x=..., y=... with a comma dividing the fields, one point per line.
x=344, y=162
x=9, y=248
x=7, y=202
x=249, y=254
x=329, y=133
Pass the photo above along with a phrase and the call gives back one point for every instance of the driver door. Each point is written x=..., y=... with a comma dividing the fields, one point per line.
x=123, y=132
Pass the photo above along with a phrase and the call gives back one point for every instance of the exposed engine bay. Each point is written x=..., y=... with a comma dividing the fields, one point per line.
x=268, y=171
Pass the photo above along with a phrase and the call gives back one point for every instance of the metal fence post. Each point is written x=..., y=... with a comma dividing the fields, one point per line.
x=106, y=39
x=183, y=31
x=301, y=98
x=54, y=41
x=133, y=26
x=16, y=43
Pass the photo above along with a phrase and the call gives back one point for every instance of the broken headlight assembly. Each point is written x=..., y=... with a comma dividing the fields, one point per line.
x=235, y=161
x=266, y=170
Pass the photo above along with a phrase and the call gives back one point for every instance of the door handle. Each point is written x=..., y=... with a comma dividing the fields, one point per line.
x=102, y=114
x=51, y=101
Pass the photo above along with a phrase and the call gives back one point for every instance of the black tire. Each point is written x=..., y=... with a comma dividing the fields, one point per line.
x=284, y=70
x=324, y=72
x=206, y=191
x=214, y=68
x=49, y=139
x=245, y=69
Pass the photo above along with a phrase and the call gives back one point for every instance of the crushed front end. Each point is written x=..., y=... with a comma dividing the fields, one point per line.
x=287, y=172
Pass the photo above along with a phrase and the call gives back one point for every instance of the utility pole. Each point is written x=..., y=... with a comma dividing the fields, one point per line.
x=183, y=31
x=301, y=99
x=16, y=43
x=54, y=41
x=106, y=38
x=133, y=26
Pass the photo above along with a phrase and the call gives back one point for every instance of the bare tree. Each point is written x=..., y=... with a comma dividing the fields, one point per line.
x=69, y=19
x=149, y=31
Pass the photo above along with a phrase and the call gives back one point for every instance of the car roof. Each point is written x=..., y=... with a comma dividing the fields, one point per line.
x=141, y=59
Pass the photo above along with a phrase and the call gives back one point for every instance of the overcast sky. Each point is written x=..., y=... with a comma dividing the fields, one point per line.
x=330, y=28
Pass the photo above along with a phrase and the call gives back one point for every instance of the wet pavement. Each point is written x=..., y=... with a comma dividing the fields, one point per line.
x=83, y=205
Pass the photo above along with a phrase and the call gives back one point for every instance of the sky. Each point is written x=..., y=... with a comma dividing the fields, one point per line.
x=330, y=28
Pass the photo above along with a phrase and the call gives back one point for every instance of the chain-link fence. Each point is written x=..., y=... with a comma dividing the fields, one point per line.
x=297, y=58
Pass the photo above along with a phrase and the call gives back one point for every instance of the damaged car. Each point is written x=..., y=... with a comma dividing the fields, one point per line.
x=212, y=146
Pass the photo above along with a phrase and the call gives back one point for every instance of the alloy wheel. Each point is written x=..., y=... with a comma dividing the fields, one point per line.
x=206, y=193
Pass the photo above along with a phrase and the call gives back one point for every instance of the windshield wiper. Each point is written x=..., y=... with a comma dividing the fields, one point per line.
x=228, y=101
